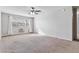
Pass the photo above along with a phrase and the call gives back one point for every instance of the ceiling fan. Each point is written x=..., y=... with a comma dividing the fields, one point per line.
x=34, y=11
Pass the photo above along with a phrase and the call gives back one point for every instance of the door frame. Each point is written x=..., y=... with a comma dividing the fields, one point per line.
x=74, y=23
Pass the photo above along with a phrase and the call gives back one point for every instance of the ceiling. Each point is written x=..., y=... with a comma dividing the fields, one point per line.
x=23, y=9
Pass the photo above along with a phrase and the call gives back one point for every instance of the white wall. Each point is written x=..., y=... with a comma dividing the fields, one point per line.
x=77, y=23
x=77, y=20
x=4, y=23
x=0, y=24
x=55, y=21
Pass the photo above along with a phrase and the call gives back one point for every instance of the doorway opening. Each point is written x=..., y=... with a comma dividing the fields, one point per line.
x=75, y=23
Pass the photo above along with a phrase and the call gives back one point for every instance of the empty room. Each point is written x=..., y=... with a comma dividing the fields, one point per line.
x=39, y=29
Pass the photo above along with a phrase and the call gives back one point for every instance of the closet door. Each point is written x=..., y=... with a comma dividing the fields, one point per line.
x=4, y=24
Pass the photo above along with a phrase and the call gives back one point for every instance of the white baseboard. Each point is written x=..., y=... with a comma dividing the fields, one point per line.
x=63, y=38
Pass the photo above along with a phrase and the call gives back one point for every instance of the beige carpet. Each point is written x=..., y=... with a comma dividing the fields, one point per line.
x=36, y=44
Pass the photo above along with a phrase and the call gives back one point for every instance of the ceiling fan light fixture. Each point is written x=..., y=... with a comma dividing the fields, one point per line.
x=34, y=11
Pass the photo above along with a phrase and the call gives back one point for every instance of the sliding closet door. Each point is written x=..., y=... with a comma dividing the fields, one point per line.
x=4, y=23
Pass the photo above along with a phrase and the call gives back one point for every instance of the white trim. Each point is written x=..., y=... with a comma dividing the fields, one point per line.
x=57, y=37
